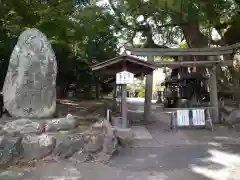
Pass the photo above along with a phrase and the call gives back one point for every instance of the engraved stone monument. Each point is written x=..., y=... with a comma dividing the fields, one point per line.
x=30, y=84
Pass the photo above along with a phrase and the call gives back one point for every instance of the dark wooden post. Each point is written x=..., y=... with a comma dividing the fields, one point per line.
x=213, y=93
x=148, y=93
x=124, y=105
x=159, y=94
x=114, y=97
x=120, y=100
x=97, y=87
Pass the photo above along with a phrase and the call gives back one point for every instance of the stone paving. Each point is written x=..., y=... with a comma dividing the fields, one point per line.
x=169, y=155
x=141, y=133
x=198, y=162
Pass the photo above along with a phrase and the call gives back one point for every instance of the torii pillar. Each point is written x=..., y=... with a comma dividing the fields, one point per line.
x=213, y=92
x=148, y=93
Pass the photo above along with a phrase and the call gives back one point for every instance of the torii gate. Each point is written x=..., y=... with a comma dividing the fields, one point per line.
x=211, y=62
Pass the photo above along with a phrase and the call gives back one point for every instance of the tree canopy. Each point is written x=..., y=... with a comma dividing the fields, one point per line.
x=161, y=23
x=83, y=32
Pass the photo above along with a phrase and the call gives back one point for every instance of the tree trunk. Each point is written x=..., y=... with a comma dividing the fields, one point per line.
x=193, y=36
x=97, y=88
x=231, y=37
x=236, y=85
x=114, y=107
x=195, y=39
x=62, y=90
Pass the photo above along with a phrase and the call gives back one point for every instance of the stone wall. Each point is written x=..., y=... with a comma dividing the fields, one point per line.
x=25, y=141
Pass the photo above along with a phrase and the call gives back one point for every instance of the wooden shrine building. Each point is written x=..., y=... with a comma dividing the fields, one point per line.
x=109, y=68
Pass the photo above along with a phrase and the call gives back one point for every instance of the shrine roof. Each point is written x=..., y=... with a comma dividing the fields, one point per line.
x=124, y=62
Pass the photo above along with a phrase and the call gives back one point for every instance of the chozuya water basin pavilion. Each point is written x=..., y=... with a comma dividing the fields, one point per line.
x=108, y=70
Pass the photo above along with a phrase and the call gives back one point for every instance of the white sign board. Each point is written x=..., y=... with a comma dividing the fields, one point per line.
x=124, y=77
x=198, y=117
x=183, y=118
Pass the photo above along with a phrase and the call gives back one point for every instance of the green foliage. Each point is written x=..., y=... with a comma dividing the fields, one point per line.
x=81, y=33
x=141, y=92
x=164, y=22
x=183, y=44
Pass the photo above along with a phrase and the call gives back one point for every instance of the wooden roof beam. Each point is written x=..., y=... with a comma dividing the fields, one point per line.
x=121, y=60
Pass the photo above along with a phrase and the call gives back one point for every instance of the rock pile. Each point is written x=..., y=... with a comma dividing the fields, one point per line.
x=25, y=140
x=230, y=116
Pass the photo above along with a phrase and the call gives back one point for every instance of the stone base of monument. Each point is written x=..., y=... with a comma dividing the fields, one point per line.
x=25, y=141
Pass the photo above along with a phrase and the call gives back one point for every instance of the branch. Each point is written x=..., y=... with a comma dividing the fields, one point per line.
x=221, y=26
x=130, y=40
x=168, y=25
x=118, y=14
x=219, y=42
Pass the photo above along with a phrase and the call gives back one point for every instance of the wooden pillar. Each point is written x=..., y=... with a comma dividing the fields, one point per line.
x=213, y=92
x=124, y=105
x=148, y=93
x=114, y=97
x=120, y=100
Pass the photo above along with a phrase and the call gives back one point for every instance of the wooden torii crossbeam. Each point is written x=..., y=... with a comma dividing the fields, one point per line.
x=210, y=63
x=175, y=64
x=214, y=51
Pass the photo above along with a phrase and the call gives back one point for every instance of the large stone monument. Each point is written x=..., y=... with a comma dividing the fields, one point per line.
x=30, y=85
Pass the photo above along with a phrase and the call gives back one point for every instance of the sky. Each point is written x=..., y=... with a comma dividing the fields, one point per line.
x=102, y=2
